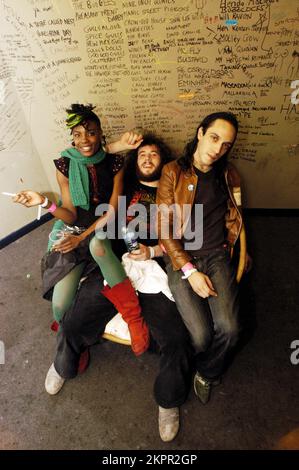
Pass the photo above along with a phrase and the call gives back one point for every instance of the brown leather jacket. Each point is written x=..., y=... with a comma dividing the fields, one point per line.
x=177, y=186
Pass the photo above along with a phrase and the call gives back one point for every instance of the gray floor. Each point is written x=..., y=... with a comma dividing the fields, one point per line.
x=111, y=406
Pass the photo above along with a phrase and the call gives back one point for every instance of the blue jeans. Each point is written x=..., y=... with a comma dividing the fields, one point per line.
x=212, y=322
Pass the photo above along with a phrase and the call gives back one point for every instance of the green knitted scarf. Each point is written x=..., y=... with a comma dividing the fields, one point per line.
x=78, y=175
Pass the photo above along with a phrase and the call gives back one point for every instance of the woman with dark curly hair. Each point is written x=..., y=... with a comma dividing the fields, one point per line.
x=87, y=177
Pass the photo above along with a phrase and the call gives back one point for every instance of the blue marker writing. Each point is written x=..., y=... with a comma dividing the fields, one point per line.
x=231, y=22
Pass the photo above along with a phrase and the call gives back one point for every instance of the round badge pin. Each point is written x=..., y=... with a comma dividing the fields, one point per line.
x=190, y=187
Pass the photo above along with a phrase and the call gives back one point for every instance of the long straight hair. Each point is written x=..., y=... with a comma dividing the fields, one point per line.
x=186, y=160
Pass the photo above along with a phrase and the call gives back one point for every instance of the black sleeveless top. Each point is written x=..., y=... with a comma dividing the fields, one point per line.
x=100, y=184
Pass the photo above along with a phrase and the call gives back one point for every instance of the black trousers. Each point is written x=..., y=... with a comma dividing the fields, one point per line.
x=84, y=324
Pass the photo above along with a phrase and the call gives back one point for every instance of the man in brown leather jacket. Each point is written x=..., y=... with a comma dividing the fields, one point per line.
x=201, y=276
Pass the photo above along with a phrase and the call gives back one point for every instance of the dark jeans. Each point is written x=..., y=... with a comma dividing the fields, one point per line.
x=85, y=322
x=212, y=322
x=169, y=332
x=82, y=325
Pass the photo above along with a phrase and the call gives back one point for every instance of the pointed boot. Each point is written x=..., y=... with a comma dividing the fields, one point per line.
x=124, y=298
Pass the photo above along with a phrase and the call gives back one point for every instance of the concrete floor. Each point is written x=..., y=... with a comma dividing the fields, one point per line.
x=111, y=406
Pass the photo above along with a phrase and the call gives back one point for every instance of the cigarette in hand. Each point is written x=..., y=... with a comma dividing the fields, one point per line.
x=8, y=194
x=39, y=209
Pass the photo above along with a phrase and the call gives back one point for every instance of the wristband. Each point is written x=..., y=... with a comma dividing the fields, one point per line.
x=52, y=208
x=45, y=203
x=152, y=252
x=187, y=267
x=189, y=272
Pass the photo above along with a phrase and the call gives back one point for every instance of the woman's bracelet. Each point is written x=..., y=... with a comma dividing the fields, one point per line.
x=52, y=208
x=45, y=203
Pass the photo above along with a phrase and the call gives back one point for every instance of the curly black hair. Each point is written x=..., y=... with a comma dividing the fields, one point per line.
x=81, y=114
x=166, y=154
